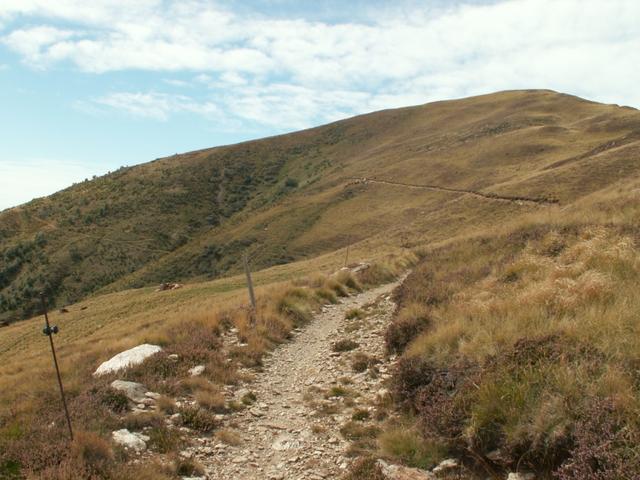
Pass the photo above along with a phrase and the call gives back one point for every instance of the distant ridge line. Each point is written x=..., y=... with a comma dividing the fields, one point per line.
x=476, y=193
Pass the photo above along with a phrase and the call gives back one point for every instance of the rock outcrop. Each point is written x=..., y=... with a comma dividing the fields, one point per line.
x=130, y=441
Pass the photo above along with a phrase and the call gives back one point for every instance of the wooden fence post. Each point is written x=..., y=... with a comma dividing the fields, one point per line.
x=247, y=272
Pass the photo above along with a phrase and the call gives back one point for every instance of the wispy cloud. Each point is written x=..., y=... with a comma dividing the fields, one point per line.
x=158, y=106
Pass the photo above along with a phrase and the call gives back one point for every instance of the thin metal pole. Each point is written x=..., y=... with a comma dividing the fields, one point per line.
x=48, y=331
x=247, y=272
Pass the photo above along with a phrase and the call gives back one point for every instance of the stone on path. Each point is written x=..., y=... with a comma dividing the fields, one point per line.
x=128, y=358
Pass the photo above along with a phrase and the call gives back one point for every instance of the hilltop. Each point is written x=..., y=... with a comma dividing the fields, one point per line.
x=191, y=217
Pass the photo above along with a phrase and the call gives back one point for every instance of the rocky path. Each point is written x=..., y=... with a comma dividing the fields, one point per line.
x=475, y=193
x=304, y=395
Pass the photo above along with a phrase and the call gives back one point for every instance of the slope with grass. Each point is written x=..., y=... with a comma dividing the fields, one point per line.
x=519, y=347
x=190, y=217
x=518, y=310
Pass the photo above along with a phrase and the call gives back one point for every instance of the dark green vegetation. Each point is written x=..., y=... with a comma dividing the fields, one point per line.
x=192, y=216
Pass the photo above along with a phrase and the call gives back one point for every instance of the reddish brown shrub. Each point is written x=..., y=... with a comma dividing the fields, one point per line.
x=412, y=374
x=442, y=404
x=606, y=447
x=408, y=324
x=365, y=469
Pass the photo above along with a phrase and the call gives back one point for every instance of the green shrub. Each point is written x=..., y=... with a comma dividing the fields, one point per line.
x=360, y=415
x=354, y=313
x=365, y=469
x=326, y=295
x=407, y=446
x=345, y=345
x=357, y=431
x=163, y=439
x=198, y=419
x=361, y=361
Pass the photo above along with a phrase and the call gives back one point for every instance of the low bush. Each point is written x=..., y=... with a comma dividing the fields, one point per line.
x=365, y=469
x=404, y=445
x=354, y=313
x=163, y=439
x=211, y=400
x=138, y=421
x=349, y=280
x=249, y=398
x=360, y=415
x=378, y=273
x=229, y=437
x=357, y=430
x=326, y=295
x=361, y=361
x=198, y=419
x=166, y=405
x=412, y=320
x=412, y=373
x=345, y=345
x=114, y=400
x=336, y=286
x=91, y=454
x=188, y=467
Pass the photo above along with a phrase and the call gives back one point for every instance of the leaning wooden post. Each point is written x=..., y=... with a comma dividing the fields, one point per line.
x=49, y=331
x=252, y=295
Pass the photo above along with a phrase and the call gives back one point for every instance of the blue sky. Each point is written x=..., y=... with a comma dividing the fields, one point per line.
x=86, y=87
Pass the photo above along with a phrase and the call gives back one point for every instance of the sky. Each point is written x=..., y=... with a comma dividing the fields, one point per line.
x=87, y=87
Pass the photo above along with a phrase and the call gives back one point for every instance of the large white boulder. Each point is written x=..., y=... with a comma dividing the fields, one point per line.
x=128, y=358
x=133, y=441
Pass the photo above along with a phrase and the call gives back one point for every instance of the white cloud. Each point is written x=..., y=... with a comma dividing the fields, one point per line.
x=22, y=181
x=296, y=72
x=38, y=45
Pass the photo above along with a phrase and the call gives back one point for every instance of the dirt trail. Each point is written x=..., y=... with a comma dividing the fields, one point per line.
x=292, y=429
x=475, y=193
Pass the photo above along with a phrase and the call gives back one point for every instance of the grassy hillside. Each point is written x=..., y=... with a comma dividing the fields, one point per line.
x=519, y=346
x=190, y=217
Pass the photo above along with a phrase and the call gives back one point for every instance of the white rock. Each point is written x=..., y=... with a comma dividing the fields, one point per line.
x=521, y=476
x=128, y=440
x=134, y=391
x=398, y=472
x=128, y=358
x=196, y=371
x=285, y=442
x=447, y=464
